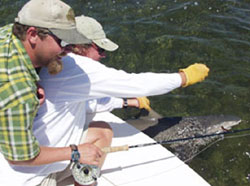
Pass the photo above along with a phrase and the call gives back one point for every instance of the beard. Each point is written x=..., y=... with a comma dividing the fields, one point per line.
x=55, y=66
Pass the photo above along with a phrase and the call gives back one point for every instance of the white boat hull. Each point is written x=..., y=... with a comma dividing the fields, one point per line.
x=147, y=166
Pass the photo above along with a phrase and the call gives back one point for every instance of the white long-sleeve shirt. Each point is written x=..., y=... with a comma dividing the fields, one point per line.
x=61, y=119
x=103, y=104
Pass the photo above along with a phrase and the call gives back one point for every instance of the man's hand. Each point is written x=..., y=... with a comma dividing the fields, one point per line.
x=140, y=102
x=144, y=103
x=194, y=73
x=89, y=154
x=40, y=94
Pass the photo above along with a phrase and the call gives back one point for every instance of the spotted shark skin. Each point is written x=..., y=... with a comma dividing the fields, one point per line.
x=168, y=128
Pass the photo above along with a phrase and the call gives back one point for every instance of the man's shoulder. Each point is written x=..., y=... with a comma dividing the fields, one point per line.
x=5, y=31
x=77, y=58
x=73, y=65
x=81, y=61
x=5, y=39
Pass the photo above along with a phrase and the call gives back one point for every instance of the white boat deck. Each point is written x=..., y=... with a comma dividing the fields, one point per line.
x=145, y=166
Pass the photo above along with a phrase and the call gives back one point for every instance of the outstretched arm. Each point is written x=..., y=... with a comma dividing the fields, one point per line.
x=111, y=103
x=85, y=79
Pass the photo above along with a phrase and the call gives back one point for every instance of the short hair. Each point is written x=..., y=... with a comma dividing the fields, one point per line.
x=19, y=31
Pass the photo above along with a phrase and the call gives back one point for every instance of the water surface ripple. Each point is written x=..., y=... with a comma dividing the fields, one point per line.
x=163, y=36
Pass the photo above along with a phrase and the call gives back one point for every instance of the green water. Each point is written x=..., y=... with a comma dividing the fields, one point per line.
x=163, y=36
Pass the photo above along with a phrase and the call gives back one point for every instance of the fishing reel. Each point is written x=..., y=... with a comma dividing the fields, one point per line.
x=85, y=174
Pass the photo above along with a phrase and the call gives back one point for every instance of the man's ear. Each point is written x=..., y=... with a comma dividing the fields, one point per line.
x=32, y=36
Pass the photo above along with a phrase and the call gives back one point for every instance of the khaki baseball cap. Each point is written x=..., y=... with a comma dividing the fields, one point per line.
x=93, y=30
x=54, y=15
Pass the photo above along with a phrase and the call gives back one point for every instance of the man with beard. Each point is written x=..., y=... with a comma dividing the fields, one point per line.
x=33, y=41
x=82, y=79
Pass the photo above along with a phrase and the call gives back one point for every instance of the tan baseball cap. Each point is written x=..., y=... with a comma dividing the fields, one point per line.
x=93, y=30
x=55, y=15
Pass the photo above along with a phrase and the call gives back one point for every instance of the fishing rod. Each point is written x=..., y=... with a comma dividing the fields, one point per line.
x=85, y=174
x=127, y=147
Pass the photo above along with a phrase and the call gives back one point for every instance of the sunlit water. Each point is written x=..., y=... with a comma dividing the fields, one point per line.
x=163, y=36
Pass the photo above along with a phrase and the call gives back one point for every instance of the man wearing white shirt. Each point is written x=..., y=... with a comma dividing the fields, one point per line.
x=61, y=119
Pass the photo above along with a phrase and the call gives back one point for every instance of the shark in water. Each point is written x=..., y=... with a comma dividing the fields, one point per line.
x=168, y=128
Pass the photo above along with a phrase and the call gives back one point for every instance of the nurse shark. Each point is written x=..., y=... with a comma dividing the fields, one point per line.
x=168, y=128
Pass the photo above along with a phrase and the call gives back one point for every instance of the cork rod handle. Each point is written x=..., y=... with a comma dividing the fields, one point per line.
x=115, y=149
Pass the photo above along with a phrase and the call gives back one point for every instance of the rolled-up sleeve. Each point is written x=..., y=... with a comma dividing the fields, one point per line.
x=16, y=138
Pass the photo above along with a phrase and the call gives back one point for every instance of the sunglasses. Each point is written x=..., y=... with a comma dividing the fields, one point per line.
x=58, y=40
x=99, y=49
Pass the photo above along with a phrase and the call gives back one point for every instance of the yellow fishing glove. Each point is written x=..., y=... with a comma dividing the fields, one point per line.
x=144, y=103
x=195, y=73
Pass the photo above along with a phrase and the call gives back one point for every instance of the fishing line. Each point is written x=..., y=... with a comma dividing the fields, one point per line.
x=209, y=145
x=238, y=136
